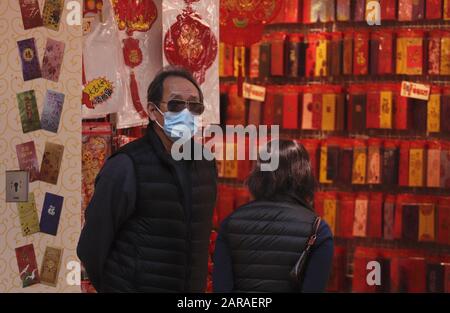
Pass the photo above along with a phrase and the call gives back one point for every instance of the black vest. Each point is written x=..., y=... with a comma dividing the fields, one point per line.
x=266, y=239
x=163, y=247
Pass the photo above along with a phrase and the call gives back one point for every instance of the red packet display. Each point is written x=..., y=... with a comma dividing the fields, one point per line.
x=277, y=54
x=361, y=212
x=445, y=164
x=357, y=108
x=388, y=10
x=343, y=10
x=375, y=215
x=359, y=162
x=31, y=14
x=254, y=60
x=290, y=108
x=427, y=218
x=445, y=110
x=445, y=54
x=434, y=52
x=405, y=10
x=361, y=53
x=53, y=59
x=51, y=163
x=52, y=13
x=417, y=165
x=26, y=261
x=443, y=220
x=388, y=217
x=345, y=161
x=359, y=10
x=390, y=163
x=373, y=113
x=95, y=149
x=347, y=59
x=26, y=154
x=403, y=169
x=433, y=9
x=433, y=158
x=374, y=161
x=409, y=52
x=236, y=107
x=346, y=213
x=381, y=52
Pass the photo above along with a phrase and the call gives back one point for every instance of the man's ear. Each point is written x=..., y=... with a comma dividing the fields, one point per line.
x=152, y=111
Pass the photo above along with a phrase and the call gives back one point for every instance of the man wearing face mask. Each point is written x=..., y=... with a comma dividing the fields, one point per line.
x=148, y=223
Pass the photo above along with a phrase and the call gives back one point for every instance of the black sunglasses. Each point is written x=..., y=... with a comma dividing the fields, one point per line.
x=176, y=105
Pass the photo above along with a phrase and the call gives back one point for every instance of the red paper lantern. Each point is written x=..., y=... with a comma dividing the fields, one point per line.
x=190, y=43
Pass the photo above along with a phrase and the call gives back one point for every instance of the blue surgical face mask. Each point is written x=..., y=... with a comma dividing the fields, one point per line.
x=178, y=123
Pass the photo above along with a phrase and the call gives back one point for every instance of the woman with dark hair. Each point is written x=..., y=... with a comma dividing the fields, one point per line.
x=261, y=242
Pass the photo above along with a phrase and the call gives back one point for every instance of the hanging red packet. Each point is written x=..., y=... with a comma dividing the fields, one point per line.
x=236, y=107
x=374, y=161
x=307, y=11
x=401, y=110
x=243, y=166
x=375, y=215
x=347, y=59
x=357, y=108
x=434, y=52
x=361, y=53
x=401, y=201
x=346, y=213
x=388, y=217
x=310, y=65
x=345, y=162
x=290, y=107
x=409, y=59
x=446, y=11
x=362, y=256
x=254, y=60
x=382, y=52
x=277, y=41
x=433, y=9
x=269, y=106
x=417, y=165
x=359, y=10
x=405, y=10
x=433, y=174
x=411, y=275
x=343, y=10
x=360, y=220
x=373, y=107
x=359, y=162
x=443, y=221
x=445, y=53
x=445, y=164
x=434, y=110
x=292, y=11
x=403, y=171
x=328, y=209
x=445, y=110
x=336, y=53
x=336, y=282
x=390, y=163
x=388, y=10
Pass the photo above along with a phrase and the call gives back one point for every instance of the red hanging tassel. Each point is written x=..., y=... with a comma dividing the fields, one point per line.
x=135, y=96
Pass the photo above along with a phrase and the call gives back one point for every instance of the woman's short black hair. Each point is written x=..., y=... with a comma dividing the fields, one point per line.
x=293, y=176
x=155, y=89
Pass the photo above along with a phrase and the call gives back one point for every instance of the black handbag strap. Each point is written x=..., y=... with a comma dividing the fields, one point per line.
x=297, y=271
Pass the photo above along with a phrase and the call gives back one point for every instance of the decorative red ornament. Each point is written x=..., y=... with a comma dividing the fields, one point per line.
x=242, y=21
x=191, y=43
x=134, y=15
